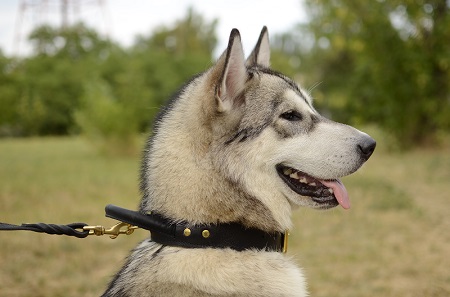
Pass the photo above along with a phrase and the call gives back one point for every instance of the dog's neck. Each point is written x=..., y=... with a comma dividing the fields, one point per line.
x=216, y=200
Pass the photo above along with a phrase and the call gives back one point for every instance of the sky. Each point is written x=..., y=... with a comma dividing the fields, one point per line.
x=122, y=20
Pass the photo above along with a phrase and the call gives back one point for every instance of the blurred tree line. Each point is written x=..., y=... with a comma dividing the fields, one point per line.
x=381, y=62
x=77, y=81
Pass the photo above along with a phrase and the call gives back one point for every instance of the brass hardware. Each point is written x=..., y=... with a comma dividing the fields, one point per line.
x=285, y=241
x=114, y=231
x=187, y=232
x=205, y=233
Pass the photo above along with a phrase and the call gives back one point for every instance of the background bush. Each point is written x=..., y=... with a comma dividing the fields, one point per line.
x=383, y=63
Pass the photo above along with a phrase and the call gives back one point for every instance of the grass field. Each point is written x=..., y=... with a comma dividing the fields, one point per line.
x=394, y=241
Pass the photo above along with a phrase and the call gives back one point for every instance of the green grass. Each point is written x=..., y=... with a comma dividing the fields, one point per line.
x=394, y=241
x=61, y=180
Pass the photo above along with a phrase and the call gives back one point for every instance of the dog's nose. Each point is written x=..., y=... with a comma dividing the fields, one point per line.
x=366, y=147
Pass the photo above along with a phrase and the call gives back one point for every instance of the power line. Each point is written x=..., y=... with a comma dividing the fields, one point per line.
x=33, y=13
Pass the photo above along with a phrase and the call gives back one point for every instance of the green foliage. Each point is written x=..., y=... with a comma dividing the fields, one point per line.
x=106, y=121
x=191, y=35
x=134, y=84
x=40, y=93
x=77, y=81
x=171, y=55
x=384, y=62
x=284, y=54
x=9, y=93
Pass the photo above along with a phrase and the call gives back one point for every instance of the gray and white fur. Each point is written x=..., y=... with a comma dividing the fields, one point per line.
x=238, y=143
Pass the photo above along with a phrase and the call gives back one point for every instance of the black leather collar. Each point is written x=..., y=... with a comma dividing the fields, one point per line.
x=224, y=235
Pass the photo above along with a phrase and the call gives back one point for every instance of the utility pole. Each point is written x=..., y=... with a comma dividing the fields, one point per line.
x=33, y=13
x=64, y=13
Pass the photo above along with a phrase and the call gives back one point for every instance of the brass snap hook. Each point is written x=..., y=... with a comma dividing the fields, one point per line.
x=113, y=232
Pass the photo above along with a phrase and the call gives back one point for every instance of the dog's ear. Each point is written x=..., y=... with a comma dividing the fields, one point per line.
x=234, y=74
x=261, y=53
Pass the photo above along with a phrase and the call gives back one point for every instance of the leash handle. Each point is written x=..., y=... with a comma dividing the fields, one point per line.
x=129, y=221
x=138, y=219
x=82, y=230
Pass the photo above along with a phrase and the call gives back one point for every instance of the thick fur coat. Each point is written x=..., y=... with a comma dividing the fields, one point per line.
x=238, y=143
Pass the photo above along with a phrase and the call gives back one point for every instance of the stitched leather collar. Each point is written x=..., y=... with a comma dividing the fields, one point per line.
x=183, y=234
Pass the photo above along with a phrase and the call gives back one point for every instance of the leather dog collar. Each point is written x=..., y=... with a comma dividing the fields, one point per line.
x=183, y=234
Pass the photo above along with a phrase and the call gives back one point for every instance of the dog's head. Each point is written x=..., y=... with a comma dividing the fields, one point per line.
x=242, y=142
x=269, y=138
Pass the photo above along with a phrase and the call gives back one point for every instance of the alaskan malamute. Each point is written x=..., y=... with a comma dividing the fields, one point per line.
x=233, y=153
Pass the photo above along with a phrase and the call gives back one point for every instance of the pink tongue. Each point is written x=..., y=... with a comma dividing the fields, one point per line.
x=339, y=190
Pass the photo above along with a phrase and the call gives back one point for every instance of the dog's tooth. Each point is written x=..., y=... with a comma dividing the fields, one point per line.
x=312, y=184
x=287, y=171
x=303, y=180
x=294, y=175
x=331, y=190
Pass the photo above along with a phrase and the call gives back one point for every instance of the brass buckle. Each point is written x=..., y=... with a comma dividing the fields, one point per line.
x=285, y=241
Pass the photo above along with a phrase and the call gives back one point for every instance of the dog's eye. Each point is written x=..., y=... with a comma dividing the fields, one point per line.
x=292, y=116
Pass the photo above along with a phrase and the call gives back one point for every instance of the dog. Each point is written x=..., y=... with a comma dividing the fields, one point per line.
x=235, y=151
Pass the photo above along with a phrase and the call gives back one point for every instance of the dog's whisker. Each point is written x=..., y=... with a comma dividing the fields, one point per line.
x=315, y=85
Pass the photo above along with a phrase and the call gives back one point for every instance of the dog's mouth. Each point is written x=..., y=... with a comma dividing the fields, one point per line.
x=327, y=193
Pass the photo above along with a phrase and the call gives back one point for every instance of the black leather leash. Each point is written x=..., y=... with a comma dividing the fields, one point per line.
x=167, y=232
x=75, y=229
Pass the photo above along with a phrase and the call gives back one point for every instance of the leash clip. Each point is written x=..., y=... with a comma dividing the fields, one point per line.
x=113, y=232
